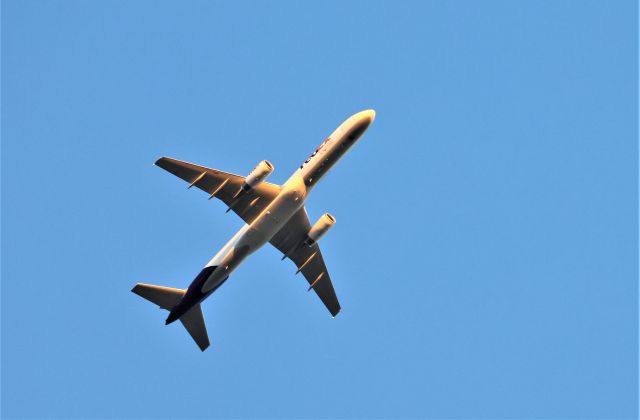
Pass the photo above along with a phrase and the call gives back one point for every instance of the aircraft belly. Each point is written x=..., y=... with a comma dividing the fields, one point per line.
x=278, y=213
x=276, y=216
x=260, y=231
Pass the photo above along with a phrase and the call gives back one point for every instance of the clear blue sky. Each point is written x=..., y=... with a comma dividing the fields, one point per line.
x=486, y=247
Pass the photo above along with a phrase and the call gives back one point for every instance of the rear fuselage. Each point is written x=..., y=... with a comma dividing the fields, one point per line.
x=291, y=198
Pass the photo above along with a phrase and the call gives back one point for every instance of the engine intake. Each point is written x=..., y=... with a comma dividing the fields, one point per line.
x=321, y=227
x=258, y=175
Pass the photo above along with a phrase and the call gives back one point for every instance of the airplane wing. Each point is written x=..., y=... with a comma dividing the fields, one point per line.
x=308, y=259
x=224, y=186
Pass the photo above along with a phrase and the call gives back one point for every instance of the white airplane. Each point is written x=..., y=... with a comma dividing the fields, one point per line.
x=272, y=213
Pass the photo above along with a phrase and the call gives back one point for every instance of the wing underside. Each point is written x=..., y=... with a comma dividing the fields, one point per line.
x=224, y=186
x=308, y=259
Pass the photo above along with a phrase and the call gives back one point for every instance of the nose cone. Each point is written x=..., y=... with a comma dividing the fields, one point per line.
x=357, y=124
x=365, y=117
x=369, y=114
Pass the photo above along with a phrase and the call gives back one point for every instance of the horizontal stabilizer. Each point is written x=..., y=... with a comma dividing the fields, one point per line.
x=164, y=297
x=167, y=298
x=193, y=321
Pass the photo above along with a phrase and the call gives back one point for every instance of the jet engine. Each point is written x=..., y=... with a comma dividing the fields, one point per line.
x=257, y=175
x=321, y=227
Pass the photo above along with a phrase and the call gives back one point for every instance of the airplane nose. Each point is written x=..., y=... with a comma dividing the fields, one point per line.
x=367, y=116
x=370, y=114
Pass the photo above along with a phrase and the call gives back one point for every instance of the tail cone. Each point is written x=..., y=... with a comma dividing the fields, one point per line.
x=172, y=317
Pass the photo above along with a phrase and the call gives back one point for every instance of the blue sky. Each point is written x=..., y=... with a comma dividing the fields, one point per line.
x=485, y=253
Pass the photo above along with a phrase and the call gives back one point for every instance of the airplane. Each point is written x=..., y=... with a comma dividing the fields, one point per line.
x=272, y=213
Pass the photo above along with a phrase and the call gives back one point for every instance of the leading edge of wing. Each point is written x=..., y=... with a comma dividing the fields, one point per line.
x=165, y=163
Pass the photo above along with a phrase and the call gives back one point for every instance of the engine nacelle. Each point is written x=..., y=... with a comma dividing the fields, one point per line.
x=259, y=174
x=321, y=227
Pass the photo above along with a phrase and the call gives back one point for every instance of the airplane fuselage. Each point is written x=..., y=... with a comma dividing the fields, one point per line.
x=291, y=198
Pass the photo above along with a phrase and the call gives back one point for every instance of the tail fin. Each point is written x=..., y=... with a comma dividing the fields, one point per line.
x=167, y=298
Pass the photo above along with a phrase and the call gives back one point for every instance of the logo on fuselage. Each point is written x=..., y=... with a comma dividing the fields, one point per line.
x=315, y=153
